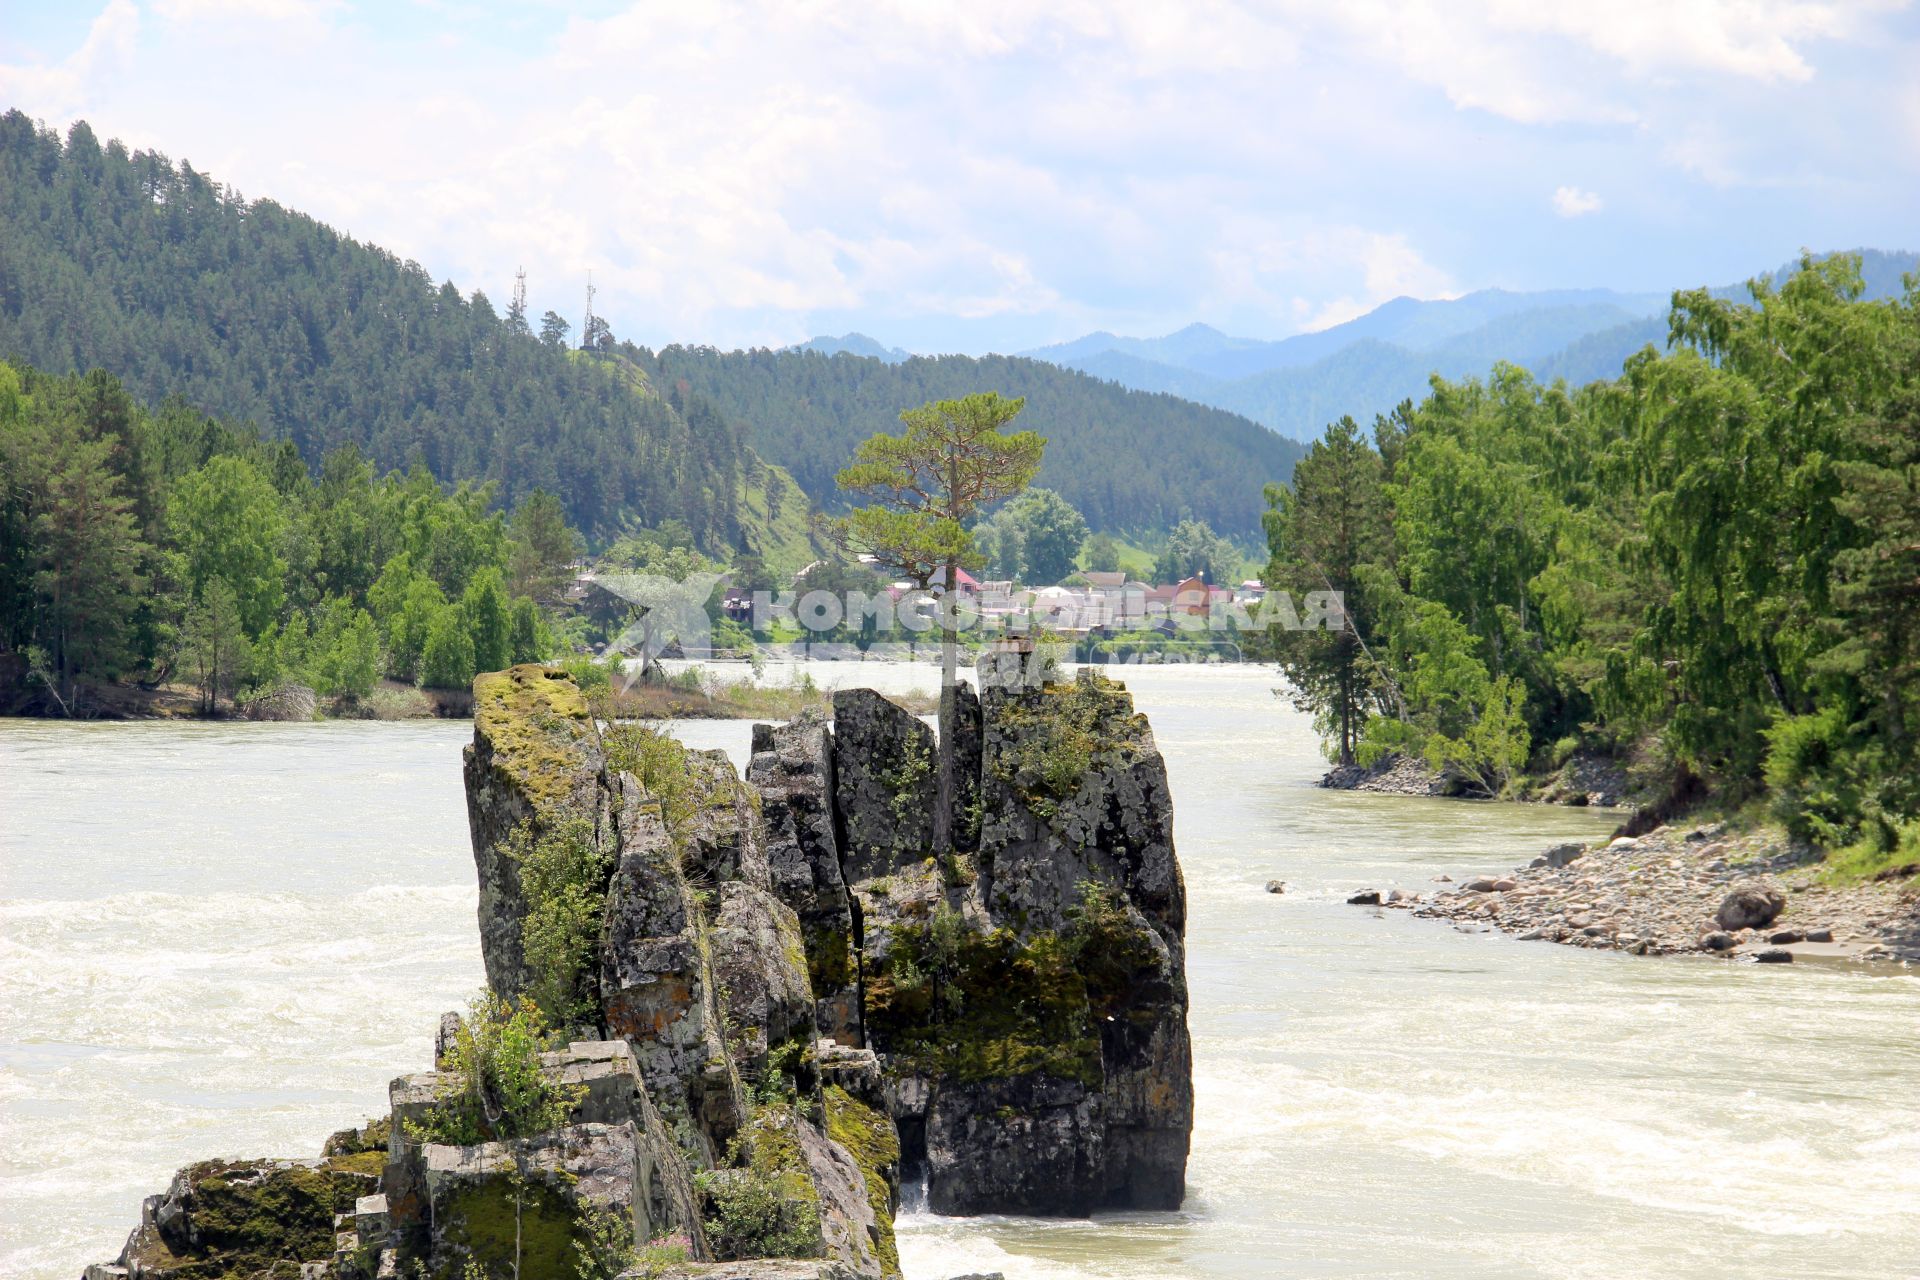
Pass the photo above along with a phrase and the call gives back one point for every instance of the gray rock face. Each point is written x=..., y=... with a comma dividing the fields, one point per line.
x=1060, y=1080
x=849, y=1223
x=759, y=963
x=1027, y=1140
x=535, y=757
x=960, y=730
x=655, y=990
x=614, y=1130
x=792, y=772
x=723, y=841
x=885, y=787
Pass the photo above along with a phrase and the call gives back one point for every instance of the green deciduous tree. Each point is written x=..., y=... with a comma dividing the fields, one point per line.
x=1046, y=534
x=1194, y=548
x=228, y=521
x=1103, y=553
x=488, y=616
x=348, y=656
x=446, y=659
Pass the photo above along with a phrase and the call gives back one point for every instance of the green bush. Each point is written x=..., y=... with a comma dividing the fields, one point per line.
x=494, y=1088
x=659, y=761
x=1808, y=769
x=563, y=874
x=588, y=672
x=764, y=1204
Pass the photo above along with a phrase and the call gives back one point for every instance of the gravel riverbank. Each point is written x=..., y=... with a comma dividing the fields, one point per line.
x=1671, y=891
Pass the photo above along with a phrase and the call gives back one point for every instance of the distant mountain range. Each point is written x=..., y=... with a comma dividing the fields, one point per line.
x=1366, y=366
x=853, y=344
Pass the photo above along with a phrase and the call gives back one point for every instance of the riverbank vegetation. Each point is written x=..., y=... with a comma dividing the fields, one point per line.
x=165, y=547
x=1709, y=567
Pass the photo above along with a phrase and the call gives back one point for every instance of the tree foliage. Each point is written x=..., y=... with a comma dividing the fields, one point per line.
x=154, y=544
x=1034, y=538
x=1719, y=549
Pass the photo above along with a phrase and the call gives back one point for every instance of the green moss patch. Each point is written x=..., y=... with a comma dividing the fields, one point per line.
x=874, y=1144
x=969, y=1006
x=829, y=959
x=1053, y=738
x=512, y=1226
x=251, y=1218
x=534, y=716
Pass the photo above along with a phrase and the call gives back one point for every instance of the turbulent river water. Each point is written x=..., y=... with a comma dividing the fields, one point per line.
x=223, y=940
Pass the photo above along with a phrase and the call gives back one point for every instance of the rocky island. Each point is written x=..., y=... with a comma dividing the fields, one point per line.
x=727, y=1018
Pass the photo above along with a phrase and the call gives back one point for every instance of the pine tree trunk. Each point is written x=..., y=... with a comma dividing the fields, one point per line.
x=949, y=676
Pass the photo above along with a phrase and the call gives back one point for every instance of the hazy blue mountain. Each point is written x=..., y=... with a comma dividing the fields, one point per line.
x=1145, y=375
x=1368, y=364
x=853, y=344
x=1198, y=348
x=1521, y=337
x=1598, y=356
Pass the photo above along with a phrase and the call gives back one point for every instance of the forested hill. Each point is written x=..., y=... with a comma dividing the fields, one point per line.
x=127, y=262
x=1126, y=459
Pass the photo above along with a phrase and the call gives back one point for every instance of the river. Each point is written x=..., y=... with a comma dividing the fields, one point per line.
x=223, y=940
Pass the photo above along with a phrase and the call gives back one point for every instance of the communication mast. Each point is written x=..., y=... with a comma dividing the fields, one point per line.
x=586, y=331
x=520, y=292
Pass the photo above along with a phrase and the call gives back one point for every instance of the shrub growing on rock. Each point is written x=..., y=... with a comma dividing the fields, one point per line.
x=563, y=873
x=495, y=1090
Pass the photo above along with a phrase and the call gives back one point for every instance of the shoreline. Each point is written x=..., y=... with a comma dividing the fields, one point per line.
x=133, y=705
x=1698, y=890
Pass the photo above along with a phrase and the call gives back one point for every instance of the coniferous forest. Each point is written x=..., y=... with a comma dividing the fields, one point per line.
x=179, y=286
x=1125, y=459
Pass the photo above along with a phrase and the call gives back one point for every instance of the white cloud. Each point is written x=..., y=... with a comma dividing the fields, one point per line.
x=1539, y=63
x=1574, y=202
x=61, y=91
x=730, y=170
x=1321, y=276
x=244, y=10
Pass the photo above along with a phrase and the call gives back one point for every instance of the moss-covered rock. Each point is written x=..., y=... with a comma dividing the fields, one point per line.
x=229, y=1220
x=966, y=1006
x=536, y=761
x=869, y=1136
x=524, y=1207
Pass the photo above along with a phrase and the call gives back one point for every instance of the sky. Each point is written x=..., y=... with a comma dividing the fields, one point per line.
x=999, y=174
